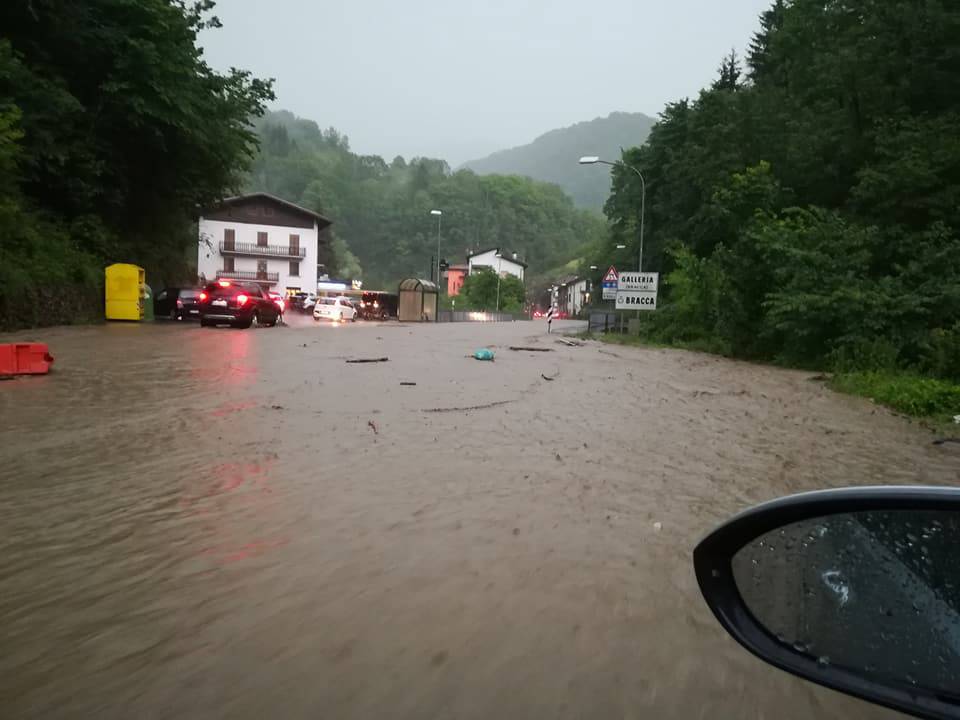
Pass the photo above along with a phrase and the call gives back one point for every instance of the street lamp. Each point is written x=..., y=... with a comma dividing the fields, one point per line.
x=593, y=160
x=593, y=267
x=621, y=247
x=439, y=214
x=499, y=257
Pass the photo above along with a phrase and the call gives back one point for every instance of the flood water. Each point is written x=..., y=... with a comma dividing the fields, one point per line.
x=200, y=523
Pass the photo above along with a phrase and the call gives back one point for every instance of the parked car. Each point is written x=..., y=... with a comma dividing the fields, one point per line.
x=302, y=302
x=177, y=303
x=229, y=303
x=377, y=306
x=279, y=300
x=336, y=309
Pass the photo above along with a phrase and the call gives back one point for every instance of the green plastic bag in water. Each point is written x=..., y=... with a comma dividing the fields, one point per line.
x=483, y=354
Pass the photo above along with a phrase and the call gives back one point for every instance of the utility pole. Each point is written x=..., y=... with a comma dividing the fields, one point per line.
x=499, y=271
x=439, y=214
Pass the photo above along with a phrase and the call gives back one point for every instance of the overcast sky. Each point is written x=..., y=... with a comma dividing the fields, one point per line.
x=458, y=79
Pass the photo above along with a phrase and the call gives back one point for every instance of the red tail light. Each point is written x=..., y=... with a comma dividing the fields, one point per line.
x=179, y=303
x=242, y=299
x=203, y=297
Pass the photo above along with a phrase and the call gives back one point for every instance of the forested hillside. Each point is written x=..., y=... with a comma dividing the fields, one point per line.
x=113, y=130
x=383, y=229
x=553, y=156
x=806, y=206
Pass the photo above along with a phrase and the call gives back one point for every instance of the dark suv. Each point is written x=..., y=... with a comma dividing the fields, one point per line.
x=228, y=303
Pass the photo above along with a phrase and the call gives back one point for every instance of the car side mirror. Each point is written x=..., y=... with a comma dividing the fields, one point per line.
x=855, y=589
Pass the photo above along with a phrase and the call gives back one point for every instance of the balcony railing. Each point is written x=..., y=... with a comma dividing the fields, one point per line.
x=277, y=251
x=247, y=276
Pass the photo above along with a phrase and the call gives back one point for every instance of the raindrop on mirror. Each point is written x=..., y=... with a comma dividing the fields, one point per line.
x=864, y=590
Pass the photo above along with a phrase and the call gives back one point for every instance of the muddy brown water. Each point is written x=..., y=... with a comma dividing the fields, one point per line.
x=208, y=523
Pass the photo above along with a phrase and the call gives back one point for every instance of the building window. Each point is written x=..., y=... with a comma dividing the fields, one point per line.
x=228, y=264
x=262, y=269
x=261, y=239
x=229, y=238
x=294, y=244
x=268, y=211
x=294, y=268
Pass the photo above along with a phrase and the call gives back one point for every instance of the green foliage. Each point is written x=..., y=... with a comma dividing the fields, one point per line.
x=701, y=287
x=113, y=130
x=941, y=353
x=382, y=212
x=552, y=157
x=909, y=394
x=483, y=291
x=346, y=264
x=811, y=214
x=863, y=354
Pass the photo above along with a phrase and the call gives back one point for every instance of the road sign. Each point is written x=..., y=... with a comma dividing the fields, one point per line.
x=639, y=281
x=636, y=299
x=610, y=284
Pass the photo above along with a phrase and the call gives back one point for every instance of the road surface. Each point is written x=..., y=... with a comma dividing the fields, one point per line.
x=203, y=523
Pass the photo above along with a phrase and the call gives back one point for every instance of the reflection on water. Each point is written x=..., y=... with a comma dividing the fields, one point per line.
x=134, y=481
x=227, y=362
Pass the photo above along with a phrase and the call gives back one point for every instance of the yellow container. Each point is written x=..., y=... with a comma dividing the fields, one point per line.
x=124, y=292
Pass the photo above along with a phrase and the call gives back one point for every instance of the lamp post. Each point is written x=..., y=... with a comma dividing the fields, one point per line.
x=439, y=214
x=594, y=160
x=499, y=257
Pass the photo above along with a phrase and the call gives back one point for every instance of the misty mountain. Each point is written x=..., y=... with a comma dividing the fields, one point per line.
x=553, y=156
x=383, y=228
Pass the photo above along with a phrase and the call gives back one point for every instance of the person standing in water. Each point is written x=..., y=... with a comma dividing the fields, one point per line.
x=550, y=314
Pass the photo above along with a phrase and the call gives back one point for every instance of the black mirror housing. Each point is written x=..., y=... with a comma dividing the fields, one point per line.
x=819, y=563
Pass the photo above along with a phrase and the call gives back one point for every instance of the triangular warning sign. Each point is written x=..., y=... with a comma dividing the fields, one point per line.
x=611, y=275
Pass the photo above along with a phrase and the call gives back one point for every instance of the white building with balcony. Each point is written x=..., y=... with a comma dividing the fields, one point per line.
x=261, y=238
x=572, y=295
x=501, y=262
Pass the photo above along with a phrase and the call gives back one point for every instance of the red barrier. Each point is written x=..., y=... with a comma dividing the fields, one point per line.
x=25, y=359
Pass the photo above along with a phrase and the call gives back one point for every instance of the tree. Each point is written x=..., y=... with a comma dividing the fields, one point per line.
x=345, y=263
x=729, y=73
x=811, y=215
x=481, y=291
x=124, y=130
x=771, y=21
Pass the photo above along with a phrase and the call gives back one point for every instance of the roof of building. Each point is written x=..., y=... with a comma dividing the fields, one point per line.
x=570, y=280
x=506, y=256
x=418, y=284
x=236, y=199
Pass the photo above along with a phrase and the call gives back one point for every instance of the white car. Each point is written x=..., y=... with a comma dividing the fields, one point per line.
x=309, y=302
x=336, y=309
